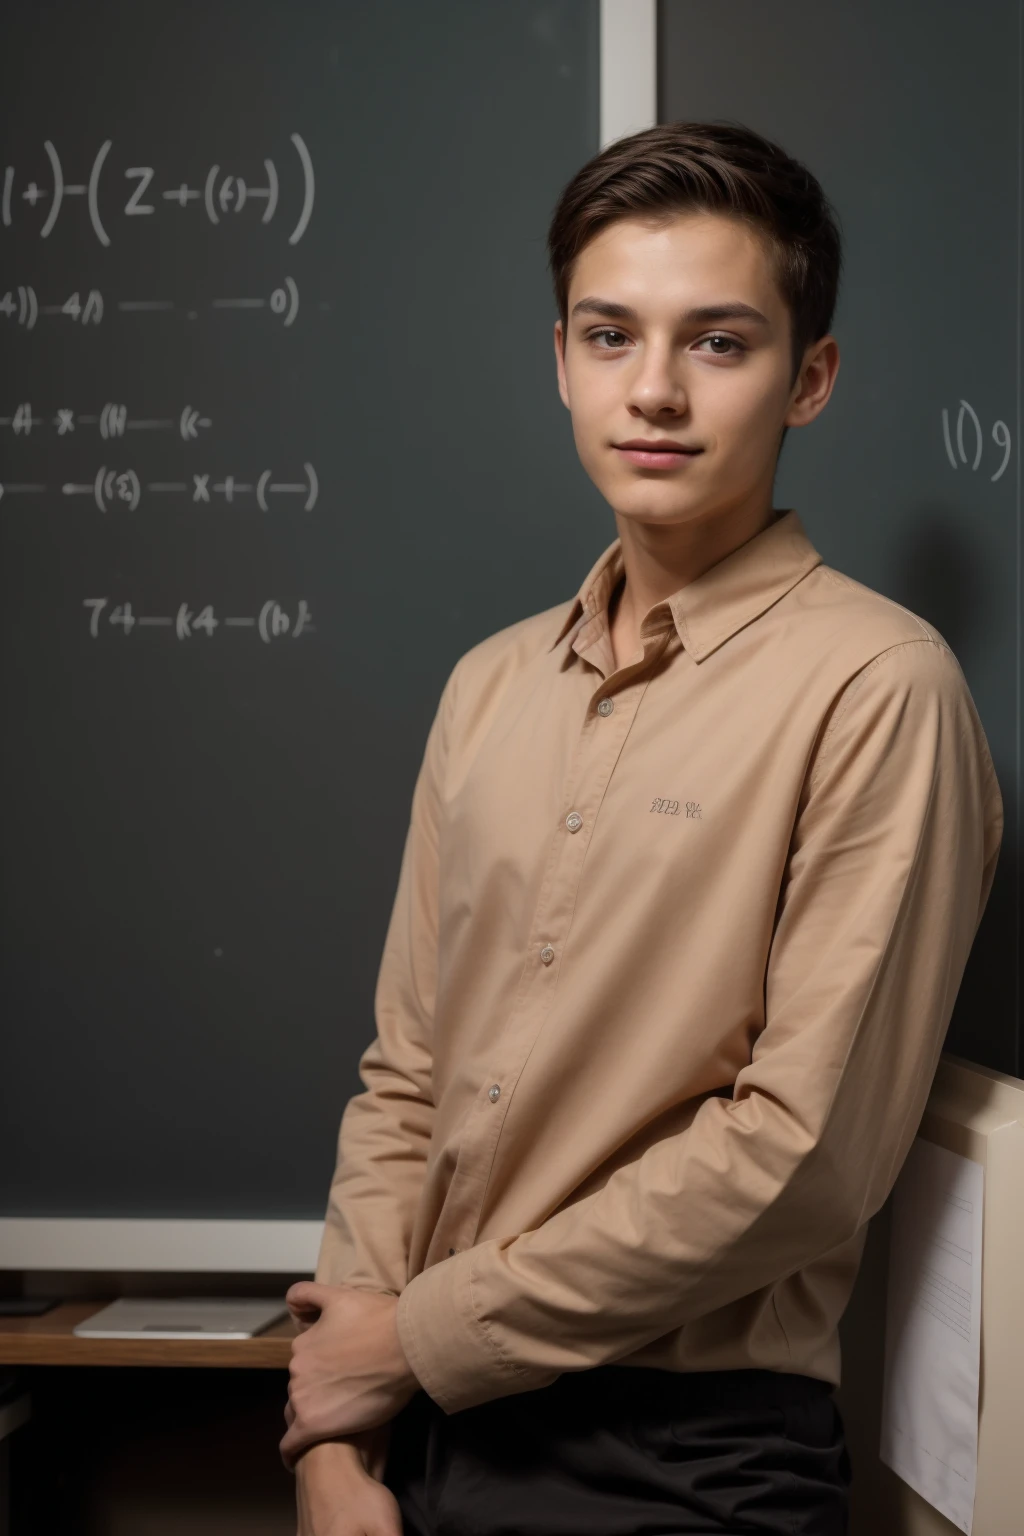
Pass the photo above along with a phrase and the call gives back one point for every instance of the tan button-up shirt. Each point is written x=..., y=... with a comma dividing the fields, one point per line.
x=672, y=957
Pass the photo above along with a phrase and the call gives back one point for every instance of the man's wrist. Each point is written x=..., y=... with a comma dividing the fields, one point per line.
x=333, y=1453
x=365, y=1451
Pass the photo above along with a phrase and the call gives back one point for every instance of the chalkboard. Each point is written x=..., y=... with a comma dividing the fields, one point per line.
x=909, y=481
x=279, y=440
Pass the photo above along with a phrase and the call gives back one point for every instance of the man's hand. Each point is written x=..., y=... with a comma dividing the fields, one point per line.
x=348, y=1369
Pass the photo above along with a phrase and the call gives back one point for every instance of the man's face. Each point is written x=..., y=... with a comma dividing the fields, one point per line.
x=657, y=350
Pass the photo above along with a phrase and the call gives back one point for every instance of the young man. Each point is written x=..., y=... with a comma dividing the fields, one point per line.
x=694, y=866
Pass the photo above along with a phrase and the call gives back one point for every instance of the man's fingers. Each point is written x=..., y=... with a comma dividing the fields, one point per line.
x=309, y=1296
x=290, y=1445
x=303, y=1317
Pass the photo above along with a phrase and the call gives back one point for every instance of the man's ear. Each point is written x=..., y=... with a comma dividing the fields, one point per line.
x=563, y=389
x=814, y=386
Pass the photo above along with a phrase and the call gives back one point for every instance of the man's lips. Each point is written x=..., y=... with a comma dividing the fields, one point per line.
x=656, y=453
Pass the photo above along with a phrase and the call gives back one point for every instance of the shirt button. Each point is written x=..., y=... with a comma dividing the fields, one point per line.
x=547, y=954
x=606, y=706
x=450, y=1252
x=493, y=1091
x=574, y=821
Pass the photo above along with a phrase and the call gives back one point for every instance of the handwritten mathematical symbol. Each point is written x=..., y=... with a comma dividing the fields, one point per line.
x=126, y=484
x=1000, y=436
x=144, y=175
x=32, y=194
x=27, y=306
x=228, y=193
x=273, y=621
x=187, y=621
x=92, y=310
x=182, y=195
x=202, y=491
x=304, y=620
x=113, y=419
x=230, y=488
x=65, y=422
x=97, y=604
x=190, y=421
x=24, y=421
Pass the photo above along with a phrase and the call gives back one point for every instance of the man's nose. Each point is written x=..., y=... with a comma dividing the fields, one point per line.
x=656, y=384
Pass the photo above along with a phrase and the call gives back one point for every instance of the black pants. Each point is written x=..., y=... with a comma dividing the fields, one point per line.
x=628, y=1451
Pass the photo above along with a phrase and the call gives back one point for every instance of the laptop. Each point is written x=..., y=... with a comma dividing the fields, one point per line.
x=189, y=1317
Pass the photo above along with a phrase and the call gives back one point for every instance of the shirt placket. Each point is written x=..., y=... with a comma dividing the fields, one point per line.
x=610, y=712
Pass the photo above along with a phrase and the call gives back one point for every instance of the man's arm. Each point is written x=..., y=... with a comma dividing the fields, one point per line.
x=385, y=1130
x=383, y=1138
x=889, y=871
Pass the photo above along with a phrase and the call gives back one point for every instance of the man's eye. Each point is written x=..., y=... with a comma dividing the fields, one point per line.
x=607, y=331
x=729, y=342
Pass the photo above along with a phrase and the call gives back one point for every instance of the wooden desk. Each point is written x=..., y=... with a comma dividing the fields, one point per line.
x=48, y=1340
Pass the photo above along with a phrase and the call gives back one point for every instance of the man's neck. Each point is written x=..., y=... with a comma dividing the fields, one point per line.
x=658, y=561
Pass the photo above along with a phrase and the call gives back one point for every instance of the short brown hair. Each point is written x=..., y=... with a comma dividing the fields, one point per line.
x=720, y=167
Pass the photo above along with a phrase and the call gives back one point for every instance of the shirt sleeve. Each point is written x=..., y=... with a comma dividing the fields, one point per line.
x=890, y=865
x=385, y=1131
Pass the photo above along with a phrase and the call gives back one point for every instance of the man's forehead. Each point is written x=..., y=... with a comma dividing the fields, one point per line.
x=696, y=259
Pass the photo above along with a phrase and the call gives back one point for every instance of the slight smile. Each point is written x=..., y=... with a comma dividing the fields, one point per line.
x=656, y=453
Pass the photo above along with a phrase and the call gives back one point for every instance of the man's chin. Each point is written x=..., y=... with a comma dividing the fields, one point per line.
x=660, y=512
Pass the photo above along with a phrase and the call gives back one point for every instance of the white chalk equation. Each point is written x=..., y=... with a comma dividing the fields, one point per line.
x=271, y=623
x=1000, y=436
x=20, y=305
x=109, y=487
x=139, y=192
x=111, y=422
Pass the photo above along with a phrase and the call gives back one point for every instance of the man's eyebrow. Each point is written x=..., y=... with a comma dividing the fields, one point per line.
x=708, y=313
x=593, y=306
x=705, y=314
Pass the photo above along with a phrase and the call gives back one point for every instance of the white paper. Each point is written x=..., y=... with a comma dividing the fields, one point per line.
x=933, y=1329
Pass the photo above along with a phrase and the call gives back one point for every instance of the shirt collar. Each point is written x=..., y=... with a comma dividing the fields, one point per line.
x=707, y=611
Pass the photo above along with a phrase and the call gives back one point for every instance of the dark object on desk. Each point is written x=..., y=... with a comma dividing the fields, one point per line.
x=27, y=1306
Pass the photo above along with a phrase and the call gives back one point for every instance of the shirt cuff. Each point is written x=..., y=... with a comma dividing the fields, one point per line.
x=448, y=1347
